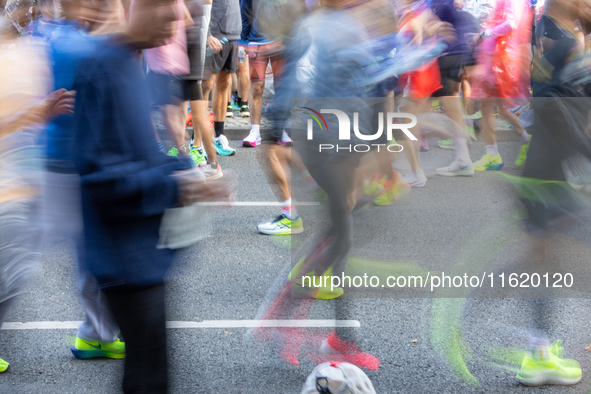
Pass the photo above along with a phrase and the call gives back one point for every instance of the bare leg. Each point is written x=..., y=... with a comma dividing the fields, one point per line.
x=203, y=131
x=277, y=157
x=171, y=115
x=220, y=95
x=488, y=121
x=206, y=87
x=244, y=80
x=256, y=102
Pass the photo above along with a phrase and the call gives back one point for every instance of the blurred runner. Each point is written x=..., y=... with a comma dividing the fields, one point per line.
x=502, y=77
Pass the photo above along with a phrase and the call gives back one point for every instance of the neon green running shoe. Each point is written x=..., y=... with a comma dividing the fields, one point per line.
x=474, y=116
x=446, y=144
x=3, y=365
x=315, y=283
x=198, y=157
x=84, y=349
x=522, y=156
x=281, y=225
x=173, y=151
x=552, y=370
x=488, y=162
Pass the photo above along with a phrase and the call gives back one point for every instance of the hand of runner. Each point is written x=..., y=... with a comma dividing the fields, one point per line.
x=214, y=44
x=62, y=102
x=193, y=188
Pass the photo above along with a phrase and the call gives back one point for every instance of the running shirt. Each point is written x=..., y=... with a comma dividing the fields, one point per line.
x=171, y=59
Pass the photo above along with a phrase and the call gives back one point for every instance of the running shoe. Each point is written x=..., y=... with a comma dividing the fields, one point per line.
x=229, y=112
x=474, y=116
x=212, y=172
x=423, y=145
x=552, y=370
x=522, y=157
x=222, y=146
x=518, y=109
x=446, y=144
x=372, y=187
x=244, y=111
x=394, y=189
x=235, y=106
x=435, y=105
x=488, y=162
x=252, y=140
x=285, y=140
x=198, y=157
x=456, y=169
x=84, y=349
x=3, y=365
x=174, y=152
x=340, y=350
x=416, y=180
x=281, y=225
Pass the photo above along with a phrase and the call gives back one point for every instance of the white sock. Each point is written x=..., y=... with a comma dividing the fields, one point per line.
x=492, y=149
x=256, y=128
x=288, y=210
x=525, y=137
x=462, y=155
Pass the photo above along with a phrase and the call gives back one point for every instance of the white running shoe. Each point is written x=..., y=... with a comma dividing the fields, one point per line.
x=212, y=172
x=285, y=139
x=222, y=146
x=456, y=169
x=229, y=112
x=252, y=140
x=416, y=180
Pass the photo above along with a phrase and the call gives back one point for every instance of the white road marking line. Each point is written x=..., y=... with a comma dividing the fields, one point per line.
x=67, y=325
x=253, y=204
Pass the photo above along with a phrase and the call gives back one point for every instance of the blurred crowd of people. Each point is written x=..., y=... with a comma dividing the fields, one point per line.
x=82, y=82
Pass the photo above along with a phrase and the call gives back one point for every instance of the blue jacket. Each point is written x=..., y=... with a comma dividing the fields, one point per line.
x=126, y=180
x=249, y=23
x=69, y=44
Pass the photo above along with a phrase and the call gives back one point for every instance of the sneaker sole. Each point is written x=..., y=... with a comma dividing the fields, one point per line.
x=221, y=153
x=202, y=164
x=250, y=144
x=451, y=147
x=456, y=173
x=491, y=167
x=298, y=230
x=245, y=114
x=86, y=354
x=214, y=177
x=229, y=115
x=542, y=380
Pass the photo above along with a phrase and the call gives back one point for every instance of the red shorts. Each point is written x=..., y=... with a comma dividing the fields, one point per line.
x=259, y=57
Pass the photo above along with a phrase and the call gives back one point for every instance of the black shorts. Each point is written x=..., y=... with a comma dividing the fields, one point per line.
x=167, y=89
x=451, y=68
x=194, y=89
x=225, y=60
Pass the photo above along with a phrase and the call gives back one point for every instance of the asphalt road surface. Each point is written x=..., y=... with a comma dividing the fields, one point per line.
x=450, y=223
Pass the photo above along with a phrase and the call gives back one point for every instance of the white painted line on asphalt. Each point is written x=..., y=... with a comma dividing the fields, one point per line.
x=253, y=204
x=262, y=323
x=67, y=325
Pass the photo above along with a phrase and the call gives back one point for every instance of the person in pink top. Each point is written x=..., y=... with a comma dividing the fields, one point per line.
x=167, y=65
x=502, y=77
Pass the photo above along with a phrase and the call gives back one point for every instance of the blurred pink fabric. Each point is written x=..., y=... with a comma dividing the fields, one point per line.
x=504, y=57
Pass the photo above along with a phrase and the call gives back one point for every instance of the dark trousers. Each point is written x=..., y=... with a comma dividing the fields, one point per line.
x=140, y=314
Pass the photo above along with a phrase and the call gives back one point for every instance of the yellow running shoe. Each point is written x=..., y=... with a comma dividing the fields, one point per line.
x=488, y=162
x=3, y=365
x=551, y=369
x=84, y=349
x=522, y=157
